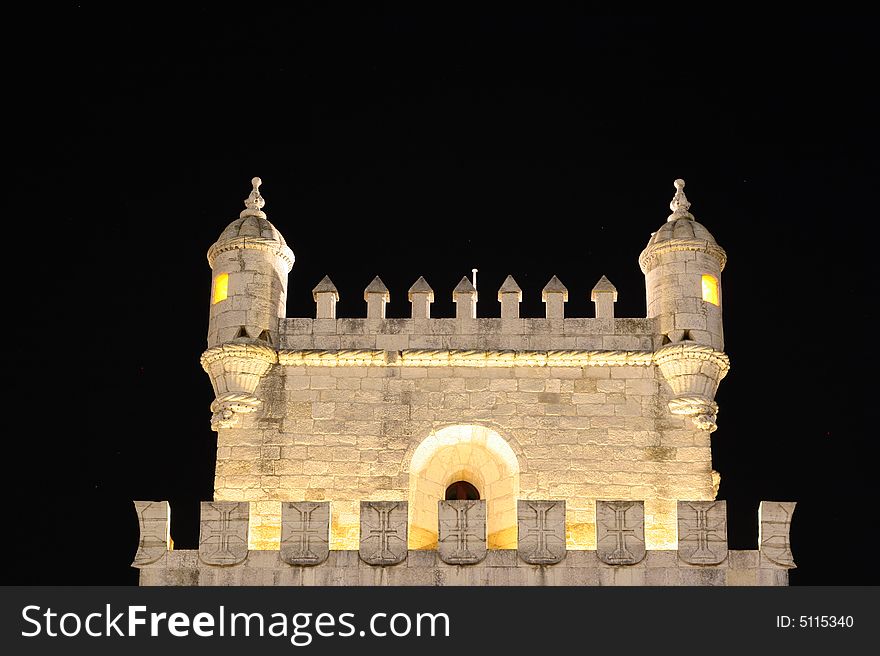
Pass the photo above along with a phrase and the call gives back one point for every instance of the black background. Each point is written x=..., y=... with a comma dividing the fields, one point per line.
x=397, y=144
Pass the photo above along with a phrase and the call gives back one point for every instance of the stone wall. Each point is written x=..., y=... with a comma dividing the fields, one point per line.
x=500, y=567
x=505, y=334
x=578, y=433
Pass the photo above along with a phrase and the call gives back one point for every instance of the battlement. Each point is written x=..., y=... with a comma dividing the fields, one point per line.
x=702, y=556
x=465, y=296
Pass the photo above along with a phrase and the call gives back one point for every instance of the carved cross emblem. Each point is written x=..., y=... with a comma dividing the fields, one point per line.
x=224, y=527
x=541, y=531
x=702, y=532
x=305, y=527
x=383, y=532
x=462, y=527
x=620, y=532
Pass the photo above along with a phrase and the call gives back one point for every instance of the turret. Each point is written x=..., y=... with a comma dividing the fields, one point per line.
x=250, y=263
x=682, y=264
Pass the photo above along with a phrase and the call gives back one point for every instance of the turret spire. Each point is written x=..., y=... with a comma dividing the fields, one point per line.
x=679, y=204
x=254, y=202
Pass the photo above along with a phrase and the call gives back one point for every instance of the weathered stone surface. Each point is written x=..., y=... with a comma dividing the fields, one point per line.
x=223, y=535
x=500, y=567
x=462, y=531
x=326, y=296
x=774, y=518
x=541, y=531
x=154, y=520
x=620, y=532
x=421, y=296
x=702, y=532
x=383, y=532
x=305, y=532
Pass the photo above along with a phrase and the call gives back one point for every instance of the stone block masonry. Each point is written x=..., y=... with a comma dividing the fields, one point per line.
x=557, y=430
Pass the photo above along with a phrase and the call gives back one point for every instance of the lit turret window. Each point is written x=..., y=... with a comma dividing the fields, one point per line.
x=710, y=289
x=221, y=288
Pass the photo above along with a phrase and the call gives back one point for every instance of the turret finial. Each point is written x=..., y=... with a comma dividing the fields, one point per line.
x=679, y=204
x=254, y=202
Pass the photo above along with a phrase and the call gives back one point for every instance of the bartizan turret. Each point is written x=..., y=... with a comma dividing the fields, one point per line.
x=682, y=264
x=250, y=263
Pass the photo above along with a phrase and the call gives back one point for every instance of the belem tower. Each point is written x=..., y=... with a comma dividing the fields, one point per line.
x=552, y=450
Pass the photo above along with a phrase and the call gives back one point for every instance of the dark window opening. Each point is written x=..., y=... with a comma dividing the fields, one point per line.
x=462, y=491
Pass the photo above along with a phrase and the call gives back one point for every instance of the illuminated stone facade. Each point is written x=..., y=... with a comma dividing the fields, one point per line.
x=549, y=413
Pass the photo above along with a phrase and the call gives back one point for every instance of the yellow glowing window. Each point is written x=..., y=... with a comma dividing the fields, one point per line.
x=710, y=289
x=221, y=288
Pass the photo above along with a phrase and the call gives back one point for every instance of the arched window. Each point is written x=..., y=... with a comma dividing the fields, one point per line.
x=474, y=461
x=462, y=491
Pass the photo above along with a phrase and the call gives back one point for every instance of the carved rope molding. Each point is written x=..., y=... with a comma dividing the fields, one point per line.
x=253, y=243
x=691, y=351
x=646, y=260
x=244, y=350
x=462, y=358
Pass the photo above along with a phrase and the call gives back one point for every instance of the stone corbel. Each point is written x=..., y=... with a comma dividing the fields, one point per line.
x=693, y=371
x=235, y=369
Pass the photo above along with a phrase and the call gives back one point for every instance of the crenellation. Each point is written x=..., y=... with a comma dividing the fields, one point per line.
x=303, y=554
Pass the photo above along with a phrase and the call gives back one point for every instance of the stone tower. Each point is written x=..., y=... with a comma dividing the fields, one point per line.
x=682, y=264
x=464, y=450
x=250, y=262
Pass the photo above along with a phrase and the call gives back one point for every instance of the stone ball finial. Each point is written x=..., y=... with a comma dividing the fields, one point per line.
x=254, y=203
x=679, y=204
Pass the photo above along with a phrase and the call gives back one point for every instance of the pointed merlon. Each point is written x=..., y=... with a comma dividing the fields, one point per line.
x=465, y=297
x=421, y=286
x=604, y=295
x=509, y=286
x=679, y=204
x=377, y=287
x=603, y=286
x=554, y=286
x=464, y=287
x=326, y=286
x=421, y=296
x=254, y=203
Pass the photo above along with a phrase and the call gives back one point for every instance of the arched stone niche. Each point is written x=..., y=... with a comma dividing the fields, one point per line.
x=476, y=454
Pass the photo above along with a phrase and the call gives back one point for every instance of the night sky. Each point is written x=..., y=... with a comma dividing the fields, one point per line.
x=401, y=145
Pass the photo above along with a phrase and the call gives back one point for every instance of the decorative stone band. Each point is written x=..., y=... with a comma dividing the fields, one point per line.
x=647, y=260
x=253, y=243
x=463, y=358
x=692, y=351
x=235, y=369
x=244, y=350
x=335, y=358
